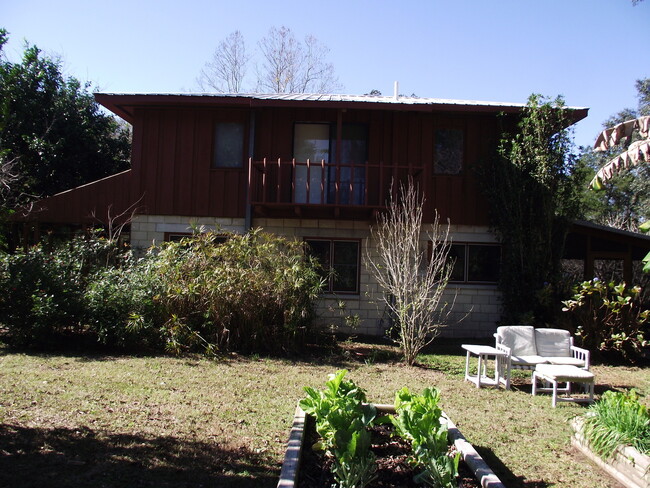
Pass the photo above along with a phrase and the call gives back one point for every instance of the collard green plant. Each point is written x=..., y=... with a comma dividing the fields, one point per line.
x=342, y=419
x=609, y=318
x=617, y=419
x=418, y=421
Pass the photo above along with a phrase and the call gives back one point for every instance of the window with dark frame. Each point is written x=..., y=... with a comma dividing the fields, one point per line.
x=228, y=145
x=449, y=148
x=317, y=142
x=339, y=261
x=475, y=263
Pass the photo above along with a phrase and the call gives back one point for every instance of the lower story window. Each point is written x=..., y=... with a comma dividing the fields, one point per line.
x=339, y=260
x=475, y=263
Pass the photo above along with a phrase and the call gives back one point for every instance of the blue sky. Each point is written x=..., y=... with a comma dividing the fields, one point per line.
x=589, y=51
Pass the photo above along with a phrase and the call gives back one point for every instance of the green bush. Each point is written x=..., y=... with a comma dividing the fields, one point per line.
x=253, y=292
x=609, y=318
x=42, y=292
x=122, y=306
x=618, y=419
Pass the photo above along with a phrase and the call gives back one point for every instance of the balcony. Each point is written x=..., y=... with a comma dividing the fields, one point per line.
x=290, y=188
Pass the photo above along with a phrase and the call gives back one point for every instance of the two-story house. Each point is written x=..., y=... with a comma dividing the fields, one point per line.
x=312, y=167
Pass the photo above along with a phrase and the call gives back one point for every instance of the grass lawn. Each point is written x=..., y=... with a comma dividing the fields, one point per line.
x=124, y=421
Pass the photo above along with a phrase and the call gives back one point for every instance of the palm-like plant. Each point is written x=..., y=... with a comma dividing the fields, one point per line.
x=635, y=153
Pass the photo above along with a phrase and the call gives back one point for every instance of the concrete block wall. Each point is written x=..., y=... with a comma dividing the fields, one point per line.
x=476, y=307
x=149, y=229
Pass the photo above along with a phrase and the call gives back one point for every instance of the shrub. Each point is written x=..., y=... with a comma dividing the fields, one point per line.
x=122, y=305
x=42, y=293
x=610, y=318
x=254, y=292
x=617, y=419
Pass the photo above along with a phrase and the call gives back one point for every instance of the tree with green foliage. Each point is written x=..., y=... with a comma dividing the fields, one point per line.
x=53, y=134
x=533, y=189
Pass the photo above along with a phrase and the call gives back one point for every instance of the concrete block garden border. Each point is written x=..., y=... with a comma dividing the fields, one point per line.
x=627, y=465
x=291, y=465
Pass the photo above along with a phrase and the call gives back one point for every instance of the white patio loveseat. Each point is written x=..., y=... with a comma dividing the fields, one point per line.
x=525, y=347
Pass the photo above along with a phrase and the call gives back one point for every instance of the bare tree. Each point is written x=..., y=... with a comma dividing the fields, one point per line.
x=281, y=54
x=227, y=69
x=286, y=65
x=413, y=286
x=11, y=191
x=316, y=75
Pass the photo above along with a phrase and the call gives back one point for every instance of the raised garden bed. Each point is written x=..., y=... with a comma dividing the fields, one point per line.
x=626, y=465
x=473, y=464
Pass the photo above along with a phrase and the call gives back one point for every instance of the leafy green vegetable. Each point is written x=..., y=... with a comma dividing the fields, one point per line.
x=418, y=421
x=342, y=418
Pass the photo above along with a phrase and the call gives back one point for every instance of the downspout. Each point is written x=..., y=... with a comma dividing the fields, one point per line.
x=248, y=219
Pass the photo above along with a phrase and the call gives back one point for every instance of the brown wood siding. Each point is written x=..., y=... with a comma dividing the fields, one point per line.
x=176, y=165
x=173, y=149
x=88, y=204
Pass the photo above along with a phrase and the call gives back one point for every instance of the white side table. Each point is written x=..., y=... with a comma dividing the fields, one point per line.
x=483, y=353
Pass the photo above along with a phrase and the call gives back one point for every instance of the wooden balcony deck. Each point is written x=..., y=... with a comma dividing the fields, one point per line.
x=308, y=189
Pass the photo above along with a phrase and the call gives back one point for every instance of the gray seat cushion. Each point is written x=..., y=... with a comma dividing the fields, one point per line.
x=519, y=338
x=553, y=342
x=571, y=361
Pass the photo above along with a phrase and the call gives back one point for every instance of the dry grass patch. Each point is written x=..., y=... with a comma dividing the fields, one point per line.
x=159, y=421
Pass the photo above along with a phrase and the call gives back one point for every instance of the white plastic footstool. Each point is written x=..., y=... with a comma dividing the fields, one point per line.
x=555, y=373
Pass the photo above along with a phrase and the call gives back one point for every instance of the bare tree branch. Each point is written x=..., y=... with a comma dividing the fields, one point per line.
x=413, y=288
x=227, y=69
x=290, y=66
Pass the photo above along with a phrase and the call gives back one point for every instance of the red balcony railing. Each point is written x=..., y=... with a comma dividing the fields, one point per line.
x=282, y=183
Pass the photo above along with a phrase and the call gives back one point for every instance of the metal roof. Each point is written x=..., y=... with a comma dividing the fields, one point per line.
x=320, y=97
x=121, y=103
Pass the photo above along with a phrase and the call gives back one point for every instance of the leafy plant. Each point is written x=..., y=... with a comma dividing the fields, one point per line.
x=342, y=418
x=533, y=187
x=617, y=419
x=43, y=291
x=645, y=227
x=122, y=304
x=609, y=317
x=253, y=292
x=418, y=421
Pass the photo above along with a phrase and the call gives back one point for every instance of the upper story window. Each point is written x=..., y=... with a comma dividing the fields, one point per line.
x=449, y=151
x=228, y=145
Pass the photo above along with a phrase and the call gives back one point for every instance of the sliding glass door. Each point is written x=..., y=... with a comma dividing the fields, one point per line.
x=311, y=142
x=342, y=181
